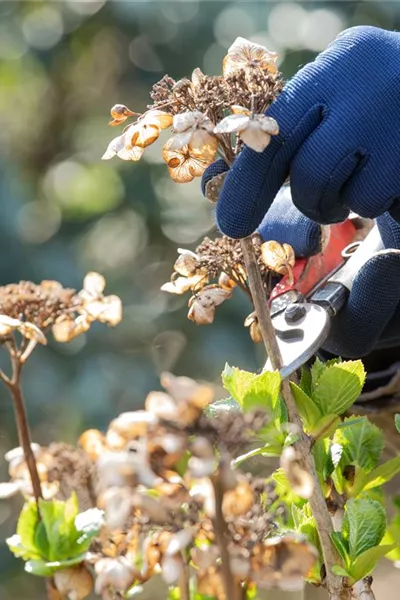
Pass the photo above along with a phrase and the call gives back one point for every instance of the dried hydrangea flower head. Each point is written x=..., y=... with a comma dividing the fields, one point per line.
x=32, y=309
x=217, y=267
x=203, y=113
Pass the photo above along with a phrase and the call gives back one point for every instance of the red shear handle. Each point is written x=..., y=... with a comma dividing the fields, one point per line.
x=333, y=296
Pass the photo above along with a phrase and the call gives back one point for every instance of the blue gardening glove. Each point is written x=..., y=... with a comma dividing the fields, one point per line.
x=371, y=318
x=339, y=138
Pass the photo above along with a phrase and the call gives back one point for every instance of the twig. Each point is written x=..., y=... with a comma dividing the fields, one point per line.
x=317, y=501
x=24, y=435
x=231, y=591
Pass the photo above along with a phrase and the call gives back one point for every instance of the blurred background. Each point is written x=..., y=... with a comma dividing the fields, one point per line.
x=64, y=212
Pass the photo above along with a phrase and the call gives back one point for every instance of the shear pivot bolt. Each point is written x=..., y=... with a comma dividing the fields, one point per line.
x=294, y=312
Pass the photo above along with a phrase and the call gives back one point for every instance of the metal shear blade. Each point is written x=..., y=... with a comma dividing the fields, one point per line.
x=296, y=349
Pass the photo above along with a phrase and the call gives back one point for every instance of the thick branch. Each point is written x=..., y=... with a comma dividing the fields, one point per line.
x=303, y=445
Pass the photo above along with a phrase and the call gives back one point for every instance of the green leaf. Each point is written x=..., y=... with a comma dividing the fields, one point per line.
x=316, y=371
x=367, y=561
x=306, y=380
x=364, y=525
x=397, y=422
x=341, y=546
x=338, y=570
x=325, y=427
x=383, y=473
x=362, y=443
x=338, y=387
x=38, y=567
x=323, y=462
x=41, y=540
x=308, y=410
x=26, y=529
x=392, y=536
x=252, y=390
x=58, y=517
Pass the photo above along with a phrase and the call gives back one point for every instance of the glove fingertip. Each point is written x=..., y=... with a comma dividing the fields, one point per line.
x=216, y=168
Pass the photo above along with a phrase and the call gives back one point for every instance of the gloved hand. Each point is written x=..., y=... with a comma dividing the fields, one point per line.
x=339, y=138
x=371, y=318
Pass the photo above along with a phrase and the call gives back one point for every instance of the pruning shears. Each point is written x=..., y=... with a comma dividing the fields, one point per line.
x=303, y=306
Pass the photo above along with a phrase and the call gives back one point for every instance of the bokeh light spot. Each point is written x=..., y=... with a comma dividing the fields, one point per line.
x=43, y=27
x=38, y=221
x=82, y=191
x=285, y=24
x=321, y=27
x=179, y=11
x=231, y=23
x=143, y=55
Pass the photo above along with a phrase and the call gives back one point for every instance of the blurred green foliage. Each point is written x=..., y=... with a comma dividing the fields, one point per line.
x=63, y=211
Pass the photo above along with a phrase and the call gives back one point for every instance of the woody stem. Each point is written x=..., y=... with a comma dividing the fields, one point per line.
x=303, y=445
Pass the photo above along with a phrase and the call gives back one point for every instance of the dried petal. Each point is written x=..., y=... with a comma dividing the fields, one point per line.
x=114, y=147
x=141, y=135
x=171, y=568
x=133, y=153
x=181, y=140
x=93, y=443
x=212, y=295
x=203, y=146
x=238, y=501
x=157, y=118
x=187, y=121
x=179, y=541
x=186, y=163
x=251, y=321
x=186, y=265
x=17, y=454
x=94, y=284
x=278, y=258
x=247, y=55
x=9, y=489
x=117, y=504
x=197, y=76
x=226, y=283
x=134, y=424
x=161, y=405
x=240, y=110
x=282, y=562
x=184, y=389
x=199, y=314
x=75, y=583
x=115, y=572
x=66, y=329
x=300, y=480
x=235, y=123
